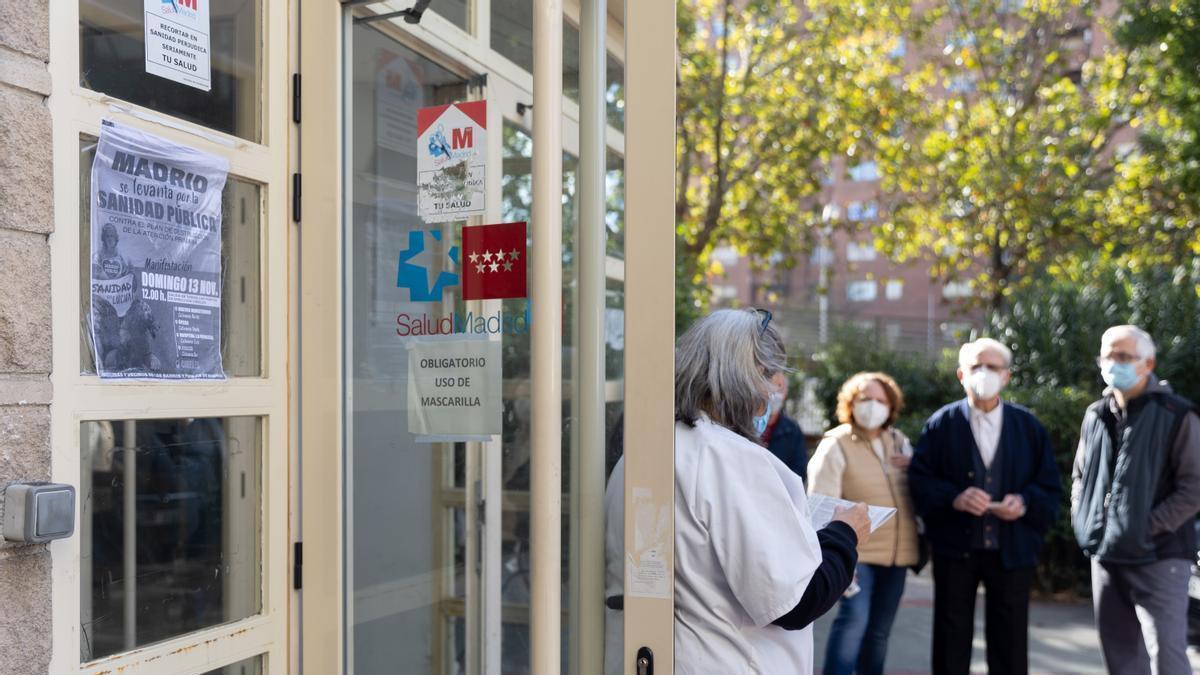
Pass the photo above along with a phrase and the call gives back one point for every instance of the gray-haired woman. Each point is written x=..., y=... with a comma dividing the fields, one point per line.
x=751, y=574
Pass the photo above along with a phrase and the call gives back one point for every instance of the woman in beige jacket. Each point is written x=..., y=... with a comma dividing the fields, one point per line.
x=865, y=460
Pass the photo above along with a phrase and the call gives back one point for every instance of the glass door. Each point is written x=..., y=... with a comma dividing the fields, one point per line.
x=412, y=485
x=418, y=537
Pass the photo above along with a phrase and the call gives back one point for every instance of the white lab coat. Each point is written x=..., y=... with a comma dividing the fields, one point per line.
x=745, y=551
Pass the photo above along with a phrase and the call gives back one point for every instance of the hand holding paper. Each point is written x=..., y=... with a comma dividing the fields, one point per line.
x=822, y=508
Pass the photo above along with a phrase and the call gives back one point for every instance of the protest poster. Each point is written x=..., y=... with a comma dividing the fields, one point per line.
x=451, y=159
x=155, y=257
x=454, y=388
x=178, y=43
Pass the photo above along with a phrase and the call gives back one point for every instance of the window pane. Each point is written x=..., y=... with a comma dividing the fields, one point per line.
x=241, y=297
x=251, y=666
x=454, y=11
x=169, y=528
x=512, y=31
x=112, y=60
x=615, y=93
x=614, y=217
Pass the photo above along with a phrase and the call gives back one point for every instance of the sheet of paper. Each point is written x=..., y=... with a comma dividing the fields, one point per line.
x=821, y=507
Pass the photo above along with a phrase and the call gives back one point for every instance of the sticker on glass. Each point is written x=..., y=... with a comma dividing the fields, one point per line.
x=454, y=389
x=177, y=41
x=451, y=159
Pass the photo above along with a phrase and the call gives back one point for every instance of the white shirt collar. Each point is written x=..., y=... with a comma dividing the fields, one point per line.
x=991, y=415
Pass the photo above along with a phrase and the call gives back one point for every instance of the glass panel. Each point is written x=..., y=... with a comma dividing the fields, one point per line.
x=615, y=206
x=241, y=259
x=251, y=666
x=112, y=60
x=454, y=11
x=516, y=202
x=512, y=37
x=615, y=92
x=407, y=529
x=614, y=331
x=170, y=519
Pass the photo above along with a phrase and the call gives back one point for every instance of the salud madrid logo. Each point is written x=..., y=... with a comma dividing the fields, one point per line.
x=187, y=8
x=493, y=268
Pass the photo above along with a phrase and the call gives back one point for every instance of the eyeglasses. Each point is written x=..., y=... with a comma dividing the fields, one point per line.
x=1118, y=357
x=766, y=319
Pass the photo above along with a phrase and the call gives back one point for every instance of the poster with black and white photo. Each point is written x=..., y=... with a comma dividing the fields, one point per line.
x=156, y=257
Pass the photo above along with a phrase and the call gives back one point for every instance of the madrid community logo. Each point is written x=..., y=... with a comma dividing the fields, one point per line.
x=491, y=264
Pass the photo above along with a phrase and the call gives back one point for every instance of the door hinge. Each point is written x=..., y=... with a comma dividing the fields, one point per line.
x=296, y=197
x=297, y=565
x=296, y=98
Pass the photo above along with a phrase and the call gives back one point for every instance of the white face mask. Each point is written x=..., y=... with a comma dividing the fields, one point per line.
x=774, y=402
x=984, y=383
x=870, y=414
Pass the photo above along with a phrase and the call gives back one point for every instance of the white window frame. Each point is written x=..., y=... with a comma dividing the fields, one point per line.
x=77, y=111
x=854, y=296
x=857, y=251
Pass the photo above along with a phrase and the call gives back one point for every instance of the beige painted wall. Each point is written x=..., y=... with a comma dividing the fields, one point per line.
x=26, y=220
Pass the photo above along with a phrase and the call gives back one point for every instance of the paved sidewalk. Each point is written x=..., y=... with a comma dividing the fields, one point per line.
x=1062, y=636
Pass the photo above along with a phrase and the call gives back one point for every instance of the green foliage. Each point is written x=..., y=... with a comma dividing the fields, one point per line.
x=1054, y=326
x=769, y=93
x=1004, y=168
x=1162, y=185
x=928, y=383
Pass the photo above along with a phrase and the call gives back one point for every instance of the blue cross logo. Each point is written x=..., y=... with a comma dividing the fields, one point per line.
x=416, y=277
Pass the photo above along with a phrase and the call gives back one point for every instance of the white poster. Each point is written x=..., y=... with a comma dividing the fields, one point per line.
x=397, y=98
x=454, y=389
x=451, y=159
x=156, y=257
x=177, y=41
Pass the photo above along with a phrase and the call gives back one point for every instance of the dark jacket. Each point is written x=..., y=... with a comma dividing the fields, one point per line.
x=1135, y=484
x=787, y=443
x=943, y=466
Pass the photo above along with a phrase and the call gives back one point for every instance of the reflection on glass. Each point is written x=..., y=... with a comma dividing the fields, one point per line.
x=407, y=549
x=614, y=94
x=614, y=216
x=169, y=528
x=112, y=60
x=516, y=203
x=251, y=666
x=241, y=294
x=454, y=11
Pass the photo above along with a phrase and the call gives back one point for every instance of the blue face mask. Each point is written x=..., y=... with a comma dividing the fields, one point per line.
x=760, y=423
x=1121, y=376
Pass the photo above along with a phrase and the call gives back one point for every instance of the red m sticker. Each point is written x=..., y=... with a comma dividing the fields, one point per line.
x=493, y=261
x=462, y=138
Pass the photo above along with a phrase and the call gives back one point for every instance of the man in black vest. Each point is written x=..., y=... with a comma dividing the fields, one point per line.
x=984, y=481
x=1135, y=491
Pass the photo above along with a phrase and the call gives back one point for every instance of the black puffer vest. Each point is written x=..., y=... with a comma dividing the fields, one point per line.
x=1112, y=518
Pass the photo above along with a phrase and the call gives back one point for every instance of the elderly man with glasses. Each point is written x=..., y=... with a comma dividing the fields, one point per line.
x=1135, y=492
x=984, y=481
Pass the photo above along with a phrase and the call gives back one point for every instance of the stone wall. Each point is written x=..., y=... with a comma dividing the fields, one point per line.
x=26, y=220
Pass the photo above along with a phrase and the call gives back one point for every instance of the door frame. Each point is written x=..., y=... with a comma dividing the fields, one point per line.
x=321, y=635
x=76, y=110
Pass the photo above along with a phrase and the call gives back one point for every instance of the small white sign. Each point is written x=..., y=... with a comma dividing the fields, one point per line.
x=451, y=160
x=177, y=41
x=645, y=565
x=454, y=389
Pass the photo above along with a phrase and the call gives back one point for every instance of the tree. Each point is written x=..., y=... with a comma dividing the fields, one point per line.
x=768, y=94
x=1005, y=169
x=1158, y=190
